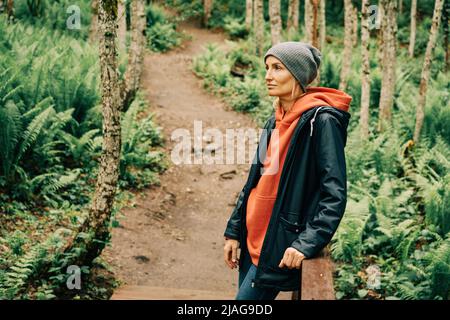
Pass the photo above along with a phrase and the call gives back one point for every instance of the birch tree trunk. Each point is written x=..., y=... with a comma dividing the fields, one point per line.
x=308, y=21
x=437, y=14
x=259, y=26
x=207, y=6
x=365, y=78
x=389, y=63
x=348, y=44
x=293, y=16
x=355, y=27
x=93, y=32
x=133, y=73
x=412, y=36
x=275, y=21
x=322, y=23
x=122, y=22
x=315, y=23
x=445, y=22
x=248, y=14
x=99, y=216
x=380, y=38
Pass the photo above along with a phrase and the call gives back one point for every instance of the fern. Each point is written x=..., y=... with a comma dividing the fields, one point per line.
x=128, y=127
x=62, y=182
x=10, y=131
x=33, y=130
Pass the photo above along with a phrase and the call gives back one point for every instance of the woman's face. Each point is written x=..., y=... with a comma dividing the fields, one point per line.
x=279, y=80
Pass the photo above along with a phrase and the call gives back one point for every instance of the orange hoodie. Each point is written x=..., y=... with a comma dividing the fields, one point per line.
x=262, y=197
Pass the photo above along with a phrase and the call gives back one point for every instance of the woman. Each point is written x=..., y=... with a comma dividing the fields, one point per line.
x=295, y=194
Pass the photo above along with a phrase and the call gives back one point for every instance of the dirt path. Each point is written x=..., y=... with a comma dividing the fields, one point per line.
x=173, y=237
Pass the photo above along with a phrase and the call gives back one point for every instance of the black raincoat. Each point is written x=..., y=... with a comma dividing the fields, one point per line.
x=311, y=195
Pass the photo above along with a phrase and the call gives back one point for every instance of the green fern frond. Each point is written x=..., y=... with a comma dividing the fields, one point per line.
x=63, y=181
x=33, y=131
x=38, y=108
x=128, y=124
x=10, y=131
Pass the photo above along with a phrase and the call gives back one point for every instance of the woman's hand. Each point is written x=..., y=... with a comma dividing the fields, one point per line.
x=230, y=253
x=292, y=259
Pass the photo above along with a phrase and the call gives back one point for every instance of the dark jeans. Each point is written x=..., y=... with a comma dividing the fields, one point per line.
x=246, y=290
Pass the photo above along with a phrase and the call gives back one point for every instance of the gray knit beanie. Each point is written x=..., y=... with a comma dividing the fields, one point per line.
x=300, y=58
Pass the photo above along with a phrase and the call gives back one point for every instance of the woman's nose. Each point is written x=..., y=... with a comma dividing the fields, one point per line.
x=268, y=75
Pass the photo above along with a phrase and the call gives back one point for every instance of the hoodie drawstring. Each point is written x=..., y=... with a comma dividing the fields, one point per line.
x=314, y=119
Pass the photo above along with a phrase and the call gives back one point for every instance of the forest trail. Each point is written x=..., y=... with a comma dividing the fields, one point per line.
x=173, y=237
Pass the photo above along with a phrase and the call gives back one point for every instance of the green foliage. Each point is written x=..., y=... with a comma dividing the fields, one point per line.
x=162, y=37
x=161, y=33
x=139, y=161
x=186, y=9
x=235, y=27
x=155, y=14
x=54, y=15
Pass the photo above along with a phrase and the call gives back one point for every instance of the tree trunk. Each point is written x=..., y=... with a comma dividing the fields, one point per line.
x=445, y=19
x=259, y=26
x=355, y=27
x=293, y=16
x=389, y=63
x=248, y=14
x=93, y=33
x=207, y=6
x=348, y=44
x=122, y=22
x=381, y=23
x=99, y=216
x=322, y=22
x=275, y=21
x=400, y=6
x=10, y=9
x=315, y=23
x=412, y=36
x=365, y=78
x=308, y=21
x=437, y=14
x=132, y=77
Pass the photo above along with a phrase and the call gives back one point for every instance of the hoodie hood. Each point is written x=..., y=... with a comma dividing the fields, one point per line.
x=314, y=97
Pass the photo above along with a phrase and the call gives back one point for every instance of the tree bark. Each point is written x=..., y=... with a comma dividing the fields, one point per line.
x=437, y=14
x=99, y=216
x=308, y=21
x=248, y=14
x=355, y=27
x=412, y=36
x=275, y=21
x=365, y=77
x=389, y=63
x=380, y=38
x=293, y=16
x=348, y=44
x=10, y=9
x=315, y=23
x=445, y=22
x=207, y=7
x=93, y=33
x=122, y=22
x=132, y=77
x=322, y=22
x=259, y=26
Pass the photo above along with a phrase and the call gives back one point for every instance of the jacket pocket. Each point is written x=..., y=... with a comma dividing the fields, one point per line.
x=293, y=226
